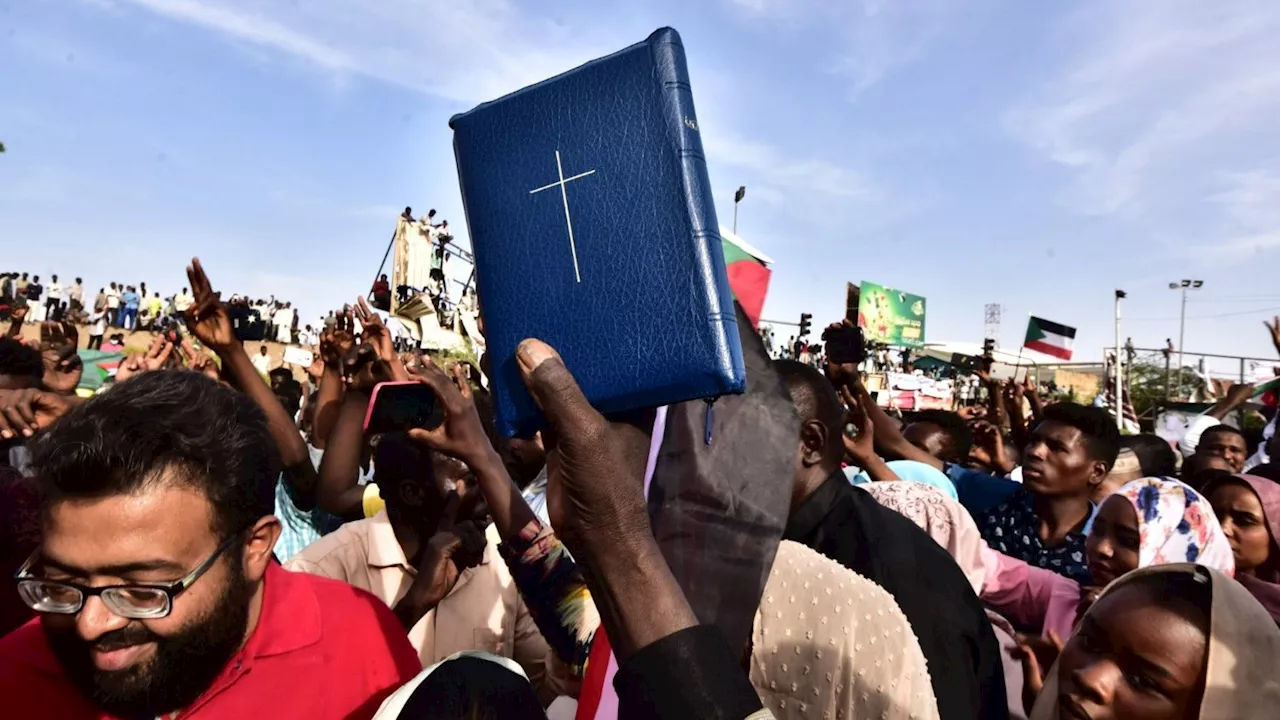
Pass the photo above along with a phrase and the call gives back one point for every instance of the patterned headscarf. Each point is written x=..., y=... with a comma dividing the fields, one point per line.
x=1176, y=524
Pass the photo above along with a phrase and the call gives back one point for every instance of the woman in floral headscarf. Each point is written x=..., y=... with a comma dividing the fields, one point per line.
x=1153, y=521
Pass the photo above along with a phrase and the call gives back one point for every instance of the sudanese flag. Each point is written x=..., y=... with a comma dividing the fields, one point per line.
x=749, y=273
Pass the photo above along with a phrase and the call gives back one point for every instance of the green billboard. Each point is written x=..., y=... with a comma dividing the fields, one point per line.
x=891, y=317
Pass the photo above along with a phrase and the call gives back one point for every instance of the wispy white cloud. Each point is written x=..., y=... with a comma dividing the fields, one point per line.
x=1163, y=116
x=884, y=36
x=779, y=175
x=468, y=52
x=869, y=39
x=461, y=52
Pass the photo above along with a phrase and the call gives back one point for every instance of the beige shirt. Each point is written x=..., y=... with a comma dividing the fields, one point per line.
x=482, y=612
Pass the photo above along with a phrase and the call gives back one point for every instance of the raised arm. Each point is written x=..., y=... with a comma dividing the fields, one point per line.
x=861, y=447
x=669, y=666
x=207, y=319
x=339, y=491
x=888, y=438
x=1017, y=420
x=335, y=343
x=462, y=436
x=1032, y=392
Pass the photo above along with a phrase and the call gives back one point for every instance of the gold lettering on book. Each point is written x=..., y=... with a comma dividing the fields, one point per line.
x=691, y=123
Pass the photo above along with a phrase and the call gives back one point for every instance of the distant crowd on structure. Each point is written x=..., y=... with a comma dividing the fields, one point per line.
x=440, y=236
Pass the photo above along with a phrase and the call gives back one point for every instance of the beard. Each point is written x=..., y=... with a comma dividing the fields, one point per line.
x=183, y=667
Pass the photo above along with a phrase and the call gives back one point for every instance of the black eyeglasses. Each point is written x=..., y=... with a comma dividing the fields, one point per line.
x=137, y=602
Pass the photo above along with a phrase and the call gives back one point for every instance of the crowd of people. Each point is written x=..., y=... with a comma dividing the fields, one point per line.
x=135, y=307
x=190, y=543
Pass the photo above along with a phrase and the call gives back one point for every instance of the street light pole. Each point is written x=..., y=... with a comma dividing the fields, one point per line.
x=1119, y=399
x=737, y=198
x=1185, y=285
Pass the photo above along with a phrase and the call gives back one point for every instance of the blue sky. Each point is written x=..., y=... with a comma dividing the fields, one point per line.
x=1035, y=155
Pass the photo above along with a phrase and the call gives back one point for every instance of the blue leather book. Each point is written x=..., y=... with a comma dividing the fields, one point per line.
x=592, y=222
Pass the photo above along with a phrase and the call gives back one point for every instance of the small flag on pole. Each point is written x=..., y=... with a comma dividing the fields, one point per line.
x=1049, y=338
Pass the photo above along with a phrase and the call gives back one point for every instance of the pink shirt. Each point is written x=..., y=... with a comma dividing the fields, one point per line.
x=1030, y=596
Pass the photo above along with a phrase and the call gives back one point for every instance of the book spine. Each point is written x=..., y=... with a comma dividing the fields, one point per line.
x=682, y=122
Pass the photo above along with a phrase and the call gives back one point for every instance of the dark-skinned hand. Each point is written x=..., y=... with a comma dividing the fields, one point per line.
x=988, y=445
x=63, y=369
x=207, y=317
x=461, y=435
x=375, y=334
x=595, y=467
x=315, y=370
x=197, y=360
x=455, y=547
x=156, y=357
x=362, y=370
x=1035, y=653
x=62, y=365
x=23, y=413
x=861, y=446
x=337, y=341
x=1029, y=385
x=842, y=374
x=1089, y=595
x=373, y=331
x=1239, y=394
x=983, y=372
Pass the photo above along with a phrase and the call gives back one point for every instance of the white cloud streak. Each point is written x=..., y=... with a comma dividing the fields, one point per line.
x=466, y=53
x=1164, y=116
x=461, y=52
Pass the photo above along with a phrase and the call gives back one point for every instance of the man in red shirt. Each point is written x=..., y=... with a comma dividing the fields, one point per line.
x=155, y=584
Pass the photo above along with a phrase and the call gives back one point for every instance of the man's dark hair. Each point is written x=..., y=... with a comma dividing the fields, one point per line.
x=472, y=688
x=815, y=399
x=165, y=426
x=960, y=437
x=1098, y=429
x=1155, y=455
x=1203, y=478
x=79, y=280
x=20, y=360
x=1221, y=429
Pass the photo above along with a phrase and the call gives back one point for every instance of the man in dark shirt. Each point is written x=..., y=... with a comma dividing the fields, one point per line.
x=1044, y=520
x=852, y=528
x=34, y=290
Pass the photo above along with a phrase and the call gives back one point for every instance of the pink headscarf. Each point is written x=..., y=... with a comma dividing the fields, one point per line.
x=1265, y=585
x=1268, y=492
x=946, y=521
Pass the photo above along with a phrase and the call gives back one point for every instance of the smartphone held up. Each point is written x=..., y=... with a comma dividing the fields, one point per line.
x=845, y=344
x=402, y=406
